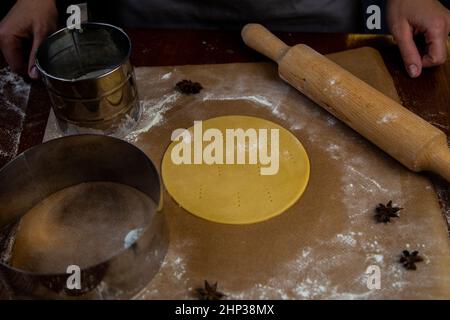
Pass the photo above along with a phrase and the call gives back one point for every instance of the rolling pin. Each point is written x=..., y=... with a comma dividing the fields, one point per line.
x=405, y=136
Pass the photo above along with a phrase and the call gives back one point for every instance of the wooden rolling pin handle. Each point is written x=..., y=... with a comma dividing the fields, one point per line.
x=380, y=119
x=437, y=159
x=262, y=40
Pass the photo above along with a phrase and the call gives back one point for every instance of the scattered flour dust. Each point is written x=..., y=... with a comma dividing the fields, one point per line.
x=305, y=277
x=348, y=239
x=267, y=94
x=334, y=89
x=14, y=94
x=387, y=118
x=166, y=76
x=152, y=114
x=174, y=264
x=334, y=151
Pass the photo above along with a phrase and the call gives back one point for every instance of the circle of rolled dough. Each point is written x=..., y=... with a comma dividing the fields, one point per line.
x=238, y=193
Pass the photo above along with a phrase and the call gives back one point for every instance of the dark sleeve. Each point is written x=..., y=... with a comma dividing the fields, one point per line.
x=107, y=11
x=63, y=4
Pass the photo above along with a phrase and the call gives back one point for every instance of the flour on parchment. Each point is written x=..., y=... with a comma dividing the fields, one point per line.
x=14, y=93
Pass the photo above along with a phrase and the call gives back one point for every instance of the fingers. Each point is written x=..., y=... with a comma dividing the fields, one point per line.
x=436, y=39
x=404, y=37
x=38, y=38
x=12, y=50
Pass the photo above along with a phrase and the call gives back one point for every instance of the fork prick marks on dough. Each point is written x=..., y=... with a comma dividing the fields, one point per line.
x=200, y=192
x=238, y=197
x=235, y=193
x=269, y=194
x=290, y=156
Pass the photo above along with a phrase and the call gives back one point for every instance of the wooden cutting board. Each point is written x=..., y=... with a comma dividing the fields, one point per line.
x=322, y=246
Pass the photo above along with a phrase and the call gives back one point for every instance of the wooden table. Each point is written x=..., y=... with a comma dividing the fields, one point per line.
x=427, y=96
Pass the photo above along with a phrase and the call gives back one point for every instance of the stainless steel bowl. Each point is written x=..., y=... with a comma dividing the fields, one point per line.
x=58, y=164
x=90, y=79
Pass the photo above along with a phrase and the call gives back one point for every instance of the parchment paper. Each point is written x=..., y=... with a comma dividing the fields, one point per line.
x=322, y=246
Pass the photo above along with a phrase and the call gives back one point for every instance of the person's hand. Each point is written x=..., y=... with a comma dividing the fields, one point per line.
x=28, y=21
x=407, y=18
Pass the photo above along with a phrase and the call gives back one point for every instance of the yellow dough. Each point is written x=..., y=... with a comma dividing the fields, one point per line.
x=238, y=193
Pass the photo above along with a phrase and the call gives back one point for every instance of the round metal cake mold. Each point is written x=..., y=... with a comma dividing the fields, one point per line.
x=52, y=166
x=90, y=80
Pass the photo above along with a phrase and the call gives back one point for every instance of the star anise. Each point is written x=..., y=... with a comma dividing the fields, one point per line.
x=189, y=87
x=408, y=260
x=384, y=213
x=209, y=292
